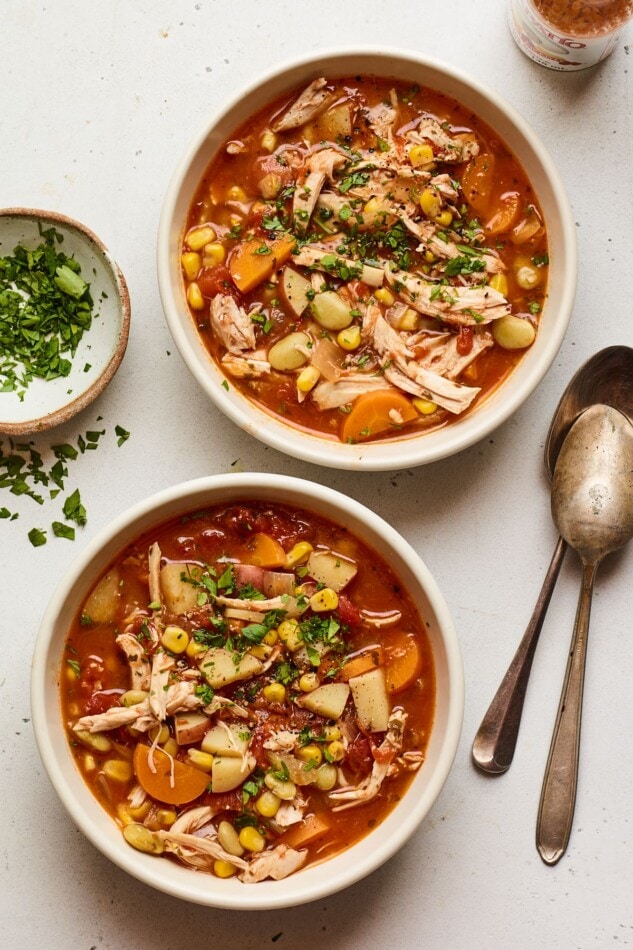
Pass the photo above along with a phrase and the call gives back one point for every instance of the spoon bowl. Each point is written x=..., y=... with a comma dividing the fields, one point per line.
x=606, y=378
x=592, y=506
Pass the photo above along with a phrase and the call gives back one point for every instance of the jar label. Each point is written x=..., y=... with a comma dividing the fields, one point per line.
x=552, y=48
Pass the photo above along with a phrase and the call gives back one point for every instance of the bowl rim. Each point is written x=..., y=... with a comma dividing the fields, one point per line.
x=411, y=451
x=62, y=771
x=71, y=408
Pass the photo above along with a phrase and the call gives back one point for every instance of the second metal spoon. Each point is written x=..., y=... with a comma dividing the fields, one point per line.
x=607, y=377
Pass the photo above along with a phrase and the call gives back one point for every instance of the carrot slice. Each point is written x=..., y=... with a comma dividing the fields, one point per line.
x=264, y=551
x=188, y=782
x=311, y=828
x=403, y=661
x=506, y=214
x=362, y=663
x=254, y=261
x=376, y=412
x=477, y=182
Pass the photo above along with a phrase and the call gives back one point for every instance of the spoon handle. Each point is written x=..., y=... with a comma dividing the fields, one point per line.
x=558, y=795
x=493, y=748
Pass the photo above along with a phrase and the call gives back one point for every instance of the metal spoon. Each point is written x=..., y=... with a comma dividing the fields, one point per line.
x=592, y=506
x=607, y=377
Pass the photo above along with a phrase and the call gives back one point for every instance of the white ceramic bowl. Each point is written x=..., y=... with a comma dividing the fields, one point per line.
x=47, y=403
x=492, y=411
x=314, y=882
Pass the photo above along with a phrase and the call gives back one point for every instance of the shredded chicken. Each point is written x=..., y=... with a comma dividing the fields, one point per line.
x=198, y=852
x=446, y=148
x=312, y=101
x=289, y=605
x=277, y=864
x=325, y=258
x=246, y=367
x=353, y=795
x=232, y=324
x=137, y=660
x=153, y=563
x=463, y=306
x=331, y=395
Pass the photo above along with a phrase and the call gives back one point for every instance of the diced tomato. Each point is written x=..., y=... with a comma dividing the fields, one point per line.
x=359, y=759
x=270, y=165
x=224, y=801
x=347, y=611
x=465, y=340
x=216, y=280
x=102, y=700
x=93, y=678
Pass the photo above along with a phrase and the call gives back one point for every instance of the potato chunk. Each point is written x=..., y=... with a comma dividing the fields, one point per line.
x=102, y=602
x=229, y=772
x=221, y=667
x=331, y=569
x=232, y=743
x=369, y=692
x=180, y=595
x=328, y=700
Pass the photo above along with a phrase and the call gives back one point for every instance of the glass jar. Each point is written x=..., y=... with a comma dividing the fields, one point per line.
x=568, y=34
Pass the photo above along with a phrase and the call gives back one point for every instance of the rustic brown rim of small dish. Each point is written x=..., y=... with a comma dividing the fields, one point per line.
x=65, y=413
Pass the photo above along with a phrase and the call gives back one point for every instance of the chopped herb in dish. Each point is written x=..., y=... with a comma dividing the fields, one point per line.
x=45, y=309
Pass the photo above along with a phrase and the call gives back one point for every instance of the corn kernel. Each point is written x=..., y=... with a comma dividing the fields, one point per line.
x=194, y=649
x=90, y=763
x=444, y=219
x=268, y=140
x=528, y=277
x=270, y=637
x=307, y=379
x=349, y=338
x=166, y=816
x=499, y=283
x=71, y=676
x=310, y=753
x=236, y=193
x=74, y=710
x=373, y=206
x=331, y=733
x=308, y=682
x=290, y=635
x=214, y=253
x=118, y=770
x=424, y=406
x=420, y=155
x=260, y=651
x=268, y=804
x=198, y=237
x=223, y=868
x=299, y=553
x=384, y=295
x=190, y=261
x=335, y=751
x=201, y=760
x=171, y=746
x=133, y=696
x=326, y=599
x=175, y=639
x=194, y=297
x=251, y=839
x=123, y=814
x=430, y=203
x=274, y=693
x=410, y=320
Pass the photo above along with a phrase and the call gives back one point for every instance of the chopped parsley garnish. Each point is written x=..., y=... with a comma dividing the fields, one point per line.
x=205, y=693
x=355, y=180
x=74, y=510
x=45, y=309
x=37, y=537
x=464, y=264
x=61, y=530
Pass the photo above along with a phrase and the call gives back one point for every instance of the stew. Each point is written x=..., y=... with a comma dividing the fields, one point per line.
x=365, y=259
x=248, y=689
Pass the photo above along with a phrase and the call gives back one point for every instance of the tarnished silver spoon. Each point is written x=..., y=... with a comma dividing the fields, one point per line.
x=592, y=507
x=607, y=377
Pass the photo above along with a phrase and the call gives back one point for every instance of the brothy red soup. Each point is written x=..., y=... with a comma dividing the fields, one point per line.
x=248, y=689
x=365, y=258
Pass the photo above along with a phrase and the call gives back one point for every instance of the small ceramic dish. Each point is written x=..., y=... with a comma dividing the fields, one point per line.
x=47, y=403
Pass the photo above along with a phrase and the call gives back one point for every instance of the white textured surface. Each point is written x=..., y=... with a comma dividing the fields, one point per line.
x=98, y=101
